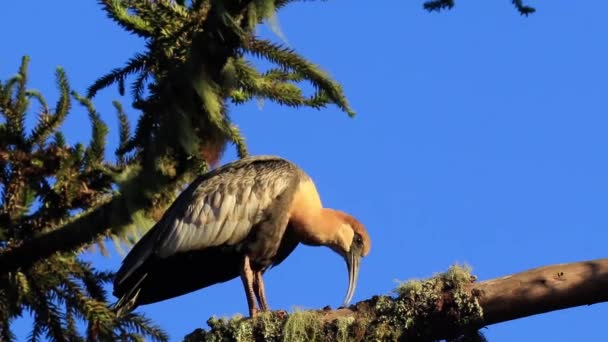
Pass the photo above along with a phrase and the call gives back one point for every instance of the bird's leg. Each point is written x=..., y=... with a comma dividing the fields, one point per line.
x=258, y=286
x=247, y=277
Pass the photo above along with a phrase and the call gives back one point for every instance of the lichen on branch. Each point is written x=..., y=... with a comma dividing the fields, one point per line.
x=449, y=306
x=415, y=312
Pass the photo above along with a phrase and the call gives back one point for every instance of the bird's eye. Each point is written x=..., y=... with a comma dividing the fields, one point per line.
x=358, y=239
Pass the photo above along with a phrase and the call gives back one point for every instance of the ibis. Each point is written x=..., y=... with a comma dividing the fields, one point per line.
x=238, y=220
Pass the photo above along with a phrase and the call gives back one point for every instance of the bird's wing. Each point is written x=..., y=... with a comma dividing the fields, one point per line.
x=222, y=210
x=218, y=208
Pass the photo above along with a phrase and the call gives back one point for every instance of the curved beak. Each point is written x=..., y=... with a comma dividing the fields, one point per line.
x=352, y=259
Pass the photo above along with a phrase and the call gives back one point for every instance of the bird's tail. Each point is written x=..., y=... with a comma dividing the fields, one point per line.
x=128, y=300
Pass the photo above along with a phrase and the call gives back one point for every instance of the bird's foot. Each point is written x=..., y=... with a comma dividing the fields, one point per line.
x=253, y=312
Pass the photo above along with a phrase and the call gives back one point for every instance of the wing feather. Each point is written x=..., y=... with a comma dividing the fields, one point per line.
x=218, y=208
x=225, y=229
x=222, y=210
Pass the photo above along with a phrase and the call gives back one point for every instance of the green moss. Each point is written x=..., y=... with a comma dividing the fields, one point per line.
x=268, y=326
x=421, y=303
x=457, y=276
x=417, y=310
x=303, y=326
x=237, y=329
x=343, y=324
x=456, y=279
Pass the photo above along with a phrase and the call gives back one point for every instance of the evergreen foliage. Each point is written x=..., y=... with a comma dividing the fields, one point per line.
x=43, y=181
x=194, y=65
x=195, y=60
x=438, y=5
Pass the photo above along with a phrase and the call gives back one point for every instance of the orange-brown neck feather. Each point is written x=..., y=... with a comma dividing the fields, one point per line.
x=315, y=225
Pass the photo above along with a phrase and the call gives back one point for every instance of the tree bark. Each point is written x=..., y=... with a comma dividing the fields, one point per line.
x=542, y=290
x=448, y=317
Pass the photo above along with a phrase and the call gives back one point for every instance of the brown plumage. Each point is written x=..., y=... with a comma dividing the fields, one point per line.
x=238, y=220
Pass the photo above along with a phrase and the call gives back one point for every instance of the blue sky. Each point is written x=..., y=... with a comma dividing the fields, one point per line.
x=479, y=138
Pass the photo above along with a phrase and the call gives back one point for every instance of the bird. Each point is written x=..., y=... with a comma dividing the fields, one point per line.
x=237, y=220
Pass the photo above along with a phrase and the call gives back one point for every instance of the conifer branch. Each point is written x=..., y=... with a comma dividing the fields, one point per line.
x=95, y=151
x=6, y=334
x=283, y=75
x=14, y=110
x=136, y=64
x=46, y=311
x=116, y=11
x=282, y=3
x=56, y=287
x=522, y=8
x=438, y=5
x=63, y=104
x=7, y=91
x=138, y=87
x=58, y=139
x=174, y=10
x=35, y=94
x=288, y=59
x=22, y=98
x=124, y=131
x=144, y=326
x=276, y=85
x=48, y=122
x=35, y=334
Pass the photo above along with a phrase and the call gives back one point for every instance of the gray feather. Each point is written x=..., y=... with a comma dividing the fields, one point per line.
x=218, y=208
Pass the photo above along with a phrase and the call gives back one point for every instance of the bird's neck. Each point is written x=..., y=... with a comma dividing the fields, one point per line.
x=314, y=225
x=323, y=228
x=310, y=228
x=306, y=214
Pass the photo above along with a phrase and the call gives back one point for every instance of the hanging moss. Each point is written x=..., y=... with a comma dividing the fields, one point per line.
x=303, y=326
x=343, y=325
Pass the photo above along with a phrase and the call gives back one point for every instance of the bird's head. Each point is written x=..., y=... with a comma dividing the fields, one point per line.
x=351, y=241
x=335, y=229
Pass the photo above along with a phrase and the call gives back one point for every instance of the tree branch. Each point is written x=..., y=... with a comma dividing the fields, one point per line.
x=542, y=290
x=69, y=238
x=448, y=306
